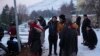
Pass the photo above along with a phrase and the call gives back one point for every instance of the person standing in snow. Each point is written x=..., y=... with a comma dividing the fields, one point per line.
x=69, y=40
x=34, y=38
x=68, y=37
x=86, y=23
x=43, y=24
x=60, y=27
x=78, y=22
x=53, y=37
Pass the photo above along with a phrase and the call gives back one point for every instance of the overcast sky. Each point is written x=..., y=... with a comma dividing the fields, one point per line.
x=25, y=2
x=10, y=2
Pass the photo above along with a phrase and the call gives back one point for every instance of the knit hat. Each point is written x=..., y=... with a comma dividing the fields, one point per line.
x=62, y=17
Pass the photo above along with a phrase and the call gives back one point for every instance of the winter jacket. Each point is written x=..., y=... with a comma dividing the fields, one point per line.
x=78, y=21
x=12, y=31
x=86, y=23
x=60, y=26
x=34, y=39
x=42, y=23
x=68, y=40
x=52, y=28
x=12, y=46
x=92, y=37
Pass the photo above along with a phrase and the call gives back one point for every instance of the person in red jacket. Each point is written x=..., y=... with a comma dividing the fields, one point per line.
x=34, y=41
x=12, y=30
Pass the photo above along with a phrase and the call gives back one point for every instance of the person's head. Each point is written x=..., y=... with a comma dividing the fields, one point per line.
x=12, y=24
x=32, y=21
x=40, y=18
x=85, y=16
x=54, y=18
x=62, y=18
x=79, y=17
x=35, y=21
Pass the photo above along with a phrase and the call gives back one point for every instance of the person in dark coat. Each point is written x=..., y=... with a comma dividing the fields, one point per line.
x=86, y=23
x=53, y=37
x=60, y=27
x=42, y=21
x=92, y=38
x=43, y=24
x=34, y=39
x=78, y=22
x=12, y=47
x=69, y=39
x=3, y=49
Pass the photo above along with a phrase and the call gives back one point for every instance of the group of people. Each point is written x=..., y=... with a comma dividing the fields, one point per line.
x=63, y=29
x=66, y=30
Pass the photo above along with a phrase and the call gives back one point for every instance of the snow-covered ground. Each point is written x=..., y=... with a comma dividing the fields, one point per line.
x=83, y=50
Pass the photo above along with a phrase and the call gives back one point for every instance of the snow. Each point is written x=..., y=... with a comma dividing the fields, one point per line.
x=82, y=50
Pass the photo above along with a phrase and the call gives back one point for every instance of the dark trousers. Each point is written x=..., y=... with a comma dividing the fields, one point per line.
x=84, y=33
x=60, y=52
x=52, y=41
x=78, y=30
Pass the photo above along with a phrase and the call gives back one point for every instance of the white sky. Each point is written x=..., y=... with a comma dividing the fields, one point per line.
x=24, y=2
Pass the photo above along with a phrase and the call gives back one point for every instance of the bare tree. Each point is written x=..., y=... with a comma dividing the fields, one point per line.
x=22, y=12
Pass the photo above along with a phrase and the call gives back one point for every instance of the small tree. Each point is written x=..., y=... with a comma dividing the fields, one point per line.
x=5, y=17
x=22, y=13
x=12, y=14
